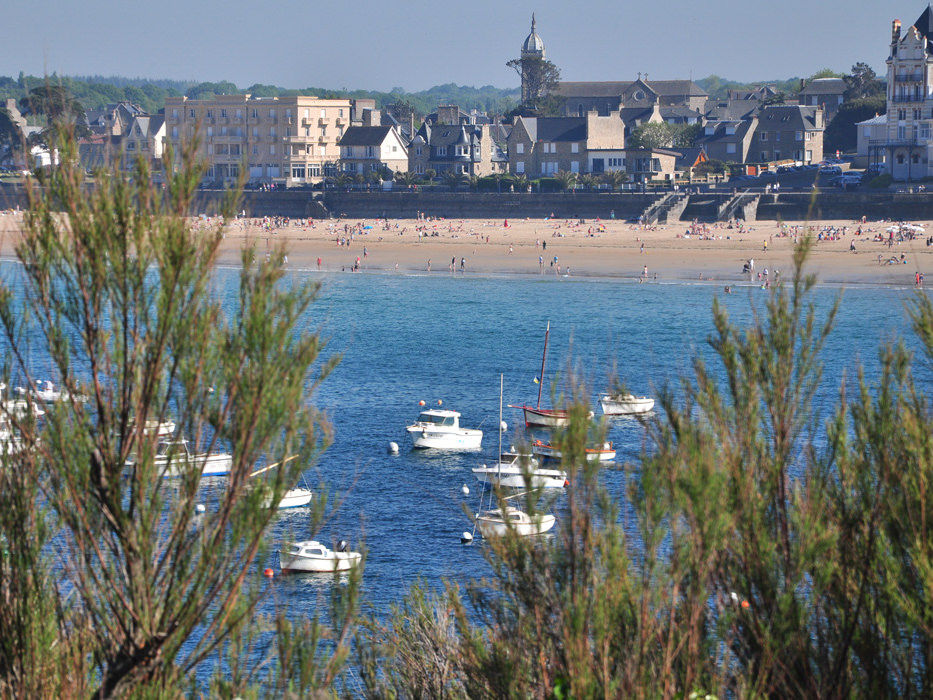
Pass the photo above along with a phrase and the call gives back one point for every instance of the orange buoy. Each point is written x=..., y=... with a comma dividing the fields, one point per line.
x=745, y=604
x=440, y=403
x=421, y=403
x=268, y=573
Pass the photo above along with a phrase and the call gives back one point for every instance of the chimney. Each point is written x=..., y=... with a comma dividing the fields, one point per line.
x=895, y=31
x=803, y=83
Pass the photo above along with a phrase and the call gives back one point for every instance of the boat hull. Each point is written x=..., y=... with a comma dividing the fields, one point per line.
x=492, y=524
x=509, y=476
x=606, y=453
x=295, y=498
x=433, y=439
x=210, y=465
x=625, y=404
x=313, y=558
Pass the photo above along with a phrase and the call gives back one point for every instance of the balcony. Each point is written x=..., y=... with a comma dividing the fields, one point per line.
x=341, y=121
x=908, y=99
x=322, y=122
x=915, y=78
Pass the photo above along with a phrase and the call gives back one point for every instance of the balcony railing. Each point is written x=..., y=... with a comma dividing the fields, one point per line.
x=915, y=78
x=902, y=98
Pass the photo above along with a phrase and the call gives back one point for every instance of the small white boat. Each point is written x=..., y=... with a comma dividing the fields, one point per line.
x=495, y=523
x=18, y=408
x=508, y=473
x=294, y=498
x=605, y=453
x=311, y=556
x=174, y=457
x=46, y=392
x=440, y=429
x=625, y=404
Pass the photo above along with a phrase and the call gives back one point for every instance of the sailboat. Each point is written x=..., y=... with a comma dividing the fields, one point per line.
x=498, y=521
x=537, y=417
x=514, y=470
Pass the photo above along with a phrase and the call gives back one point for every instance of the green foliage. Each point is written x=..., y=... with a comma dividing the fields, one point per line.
x=883, y=181
x=140, y=591
x=712, y=167
x=651, y=135
x=539, y=78
x=825, y=73
x=841, y=133
x=862, y=83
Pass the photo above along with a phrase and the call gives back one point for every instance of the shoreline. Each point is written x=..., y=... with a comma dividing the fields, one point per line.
x=575, y=249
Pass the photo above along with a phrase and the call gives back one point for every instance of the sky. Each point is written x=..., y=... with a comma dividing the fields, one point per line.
x=414, y=45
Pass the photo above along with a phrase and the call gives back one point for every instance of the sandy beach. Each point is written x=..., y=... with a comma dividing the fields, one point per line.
x=570, y=248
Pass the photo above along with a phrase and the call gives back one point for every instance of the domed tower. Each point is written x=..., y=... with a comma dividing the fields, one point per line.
x=532, y=47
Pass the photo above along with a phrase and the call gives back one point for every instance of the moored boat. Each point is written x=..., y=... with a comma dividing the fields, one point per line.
x=310, y=556
x=625, y=404
x=439, y=429
x=517, y=471
x=604, y=453
x=174, y=457
x=496, y=523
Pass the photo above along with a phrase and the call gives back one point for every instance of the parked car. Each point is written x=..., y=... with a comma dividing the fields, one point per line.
x=830, y=170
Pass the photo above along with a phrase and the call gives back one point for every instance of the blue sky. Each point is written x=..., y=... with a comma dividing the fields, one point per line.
x=414, y=45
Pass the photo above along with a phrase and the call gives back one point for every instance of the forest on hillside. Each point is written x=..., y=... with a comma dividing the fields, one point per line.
x=96, y=91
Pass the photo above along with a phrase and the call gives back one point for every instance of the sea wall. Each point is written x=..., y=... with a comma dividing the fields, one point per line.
x=785, y=206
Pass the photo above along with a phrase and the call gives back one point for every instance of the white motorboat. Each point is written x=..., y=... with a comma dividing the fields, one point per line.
x=297, y=497
x=508, y=473
x=495, y=523
x=625, y=404
x=440, y=429
x=46, y=392
x=604, y=453
x=311, y=556
x=18, y=408
x=174, y=457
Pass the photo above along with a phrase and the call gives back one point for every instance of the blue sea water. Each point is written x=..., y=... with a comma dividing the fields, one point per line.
x=439, y=337
x=411, y=338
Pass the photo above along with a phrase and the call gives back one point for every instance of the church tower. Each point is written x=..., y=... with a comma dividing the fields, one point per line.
x=532, y=47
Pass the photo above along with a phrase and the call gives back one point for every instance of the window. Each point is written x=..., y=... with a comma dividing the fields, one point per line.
x=298, y=172
x=223, y=131
x=255, y=132
x=777, y=136
x=254, y=113
x=272, y=132
x=239, y=114
x=730, y=148
x=809, y=155
x=575, y=148
x=223, y=113
x=271, y=149
x=574, y=166
x=808, y=135
x=442, y=150
x=764, y=156
x=131, y=145
x=763, y=136
x=210, y=114
x=519, y=148
x=210, y=132
x=191, y=113
x=925, y=130
x=255, y=150
x=323, y=150
x=175, y=132
x=309, y=149
x=798, y=136
x=288, y=132
x=323, y=113
x=288, y=115
x=417, y=150
x=520, y=167
x=339, y=112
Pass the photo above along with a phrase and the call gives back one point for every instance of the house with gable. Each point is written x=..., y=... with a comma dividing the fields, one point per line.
x=789, y=132
x=368, y=149
x=452, y=141
x=547, y=145
x=144, y=136
x=907, y=145
x=828, y=93
x=728, y=140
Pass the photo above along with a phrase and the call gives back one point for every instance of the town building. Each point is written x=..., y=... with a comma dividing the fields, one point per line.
x=828, y=93
x=373, y=149
x=907, y=144
x=450, y=140
x=286, y=141
x=789, y=133
x=547, y=145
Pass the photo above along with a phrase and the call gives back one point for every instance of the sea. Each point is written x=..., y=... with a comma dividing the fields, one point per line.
x=446, y=339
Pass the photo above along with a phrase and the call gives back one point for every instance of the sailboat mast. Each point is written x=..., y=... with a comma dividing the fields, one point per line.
x=543, y=358
x=499, y=428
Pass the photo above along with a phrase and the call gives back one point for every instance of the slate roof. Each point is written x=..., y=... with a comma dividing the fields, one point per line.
x=924, y=25
x=787, y=118
x=365, y=135
x=824, y=86
x=556, y=128
x=616, y=88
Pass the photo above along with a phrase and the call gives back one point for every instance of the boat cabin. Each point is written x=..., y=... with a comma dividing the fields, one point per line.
x=448, y=419
x=311, y=549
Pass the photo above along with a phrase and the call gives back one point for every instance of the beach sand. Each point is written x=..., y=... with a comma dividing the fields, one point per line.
x=592, y=248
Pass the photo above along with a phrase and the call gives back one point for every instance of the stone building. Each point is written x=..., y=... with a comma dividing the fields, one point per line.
x=287, y=141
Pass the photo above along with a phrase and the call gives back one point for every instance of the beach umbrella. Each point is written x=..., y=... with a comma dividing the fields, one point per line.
x=365, y=227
